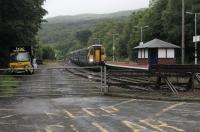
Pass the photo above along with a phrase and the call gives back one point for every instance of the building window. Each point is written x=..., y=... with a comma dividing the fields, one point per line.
x=170, y=53
x=162, y=53
x=146, y=53
x=139, y=54
x=142, y=53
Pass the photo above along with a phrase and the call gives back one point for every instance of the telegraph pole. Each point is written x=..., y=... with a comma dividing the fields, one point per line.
x=141, y=31
x=196, y=56
x=116, y=34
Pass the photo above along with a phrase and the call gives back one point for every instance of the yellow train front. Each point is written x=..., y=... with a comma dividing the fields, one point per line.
x=20, y=61
x=92, y=56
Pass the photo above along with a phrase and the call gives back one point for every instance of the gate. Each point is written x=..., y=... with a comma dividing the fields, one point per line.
x=128, y=81
x=56, y=82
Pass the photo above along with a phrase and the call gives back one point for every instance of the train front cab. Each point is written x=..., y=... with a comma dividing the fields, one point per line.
x=97, y=55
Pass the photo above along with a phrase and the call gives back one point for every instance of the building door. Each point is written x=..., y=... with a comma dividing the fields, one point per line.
x=153, y=56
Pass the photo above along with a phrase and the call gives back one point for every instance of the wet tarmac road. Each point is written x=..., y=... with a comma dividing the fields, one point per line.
x=95, y=114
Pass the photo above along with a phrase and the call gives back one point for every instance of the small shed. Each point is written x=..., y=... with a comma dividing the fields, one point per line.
x=156, y=52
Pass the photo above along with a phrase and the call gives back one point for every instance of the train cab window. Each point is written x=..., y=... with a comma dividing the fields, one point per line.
x=91, y=51
x=103, y=51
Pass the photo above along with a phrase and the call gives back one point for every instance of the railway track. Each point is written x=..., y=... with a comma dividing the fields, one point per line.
x=134, y=79
x=131, y=79
x=126, y=81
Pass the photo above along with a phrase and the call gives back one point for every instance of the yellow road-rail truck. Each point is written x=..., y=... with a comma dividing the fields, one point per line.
x=21, y=60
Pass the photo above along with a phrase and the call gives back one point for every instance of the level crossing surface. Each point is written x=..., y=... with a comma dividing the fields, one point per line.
x=94, y=113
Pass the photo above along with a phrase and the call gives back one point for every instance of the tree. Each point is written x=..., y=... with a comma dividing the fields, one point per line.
x=19, y=23
x=83, y=36
x=48, y=53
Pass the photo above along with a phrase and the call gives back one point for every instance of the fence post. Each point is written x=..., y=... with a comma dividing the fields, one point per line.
x=193, y=81
x=105, y=80
x=102, y=79
x=51, y=78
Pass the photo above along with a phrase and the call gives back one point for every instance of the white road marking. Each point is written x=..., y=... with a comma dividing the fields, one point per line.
x=124, y=102
x=49, y=127
x=50, y=114
x=47, y=113
x=7, y=116
x=69, y=114
x=99, y=127
x=169, y=108
x=74, y=128
x=133, y=126
x=109, y=110
x=88, y=112
x=158, y=125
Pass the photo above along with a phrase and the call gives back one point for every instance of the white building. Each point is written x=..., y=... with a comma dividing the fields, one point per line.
x=156, y=52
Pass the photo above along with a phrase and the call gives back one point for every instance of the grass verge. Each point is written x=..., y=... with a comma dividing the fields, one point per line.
x=8, y=86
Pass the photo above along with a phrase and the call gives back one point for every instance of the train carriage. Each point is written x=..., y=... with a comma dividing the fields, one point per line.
x=93, y=55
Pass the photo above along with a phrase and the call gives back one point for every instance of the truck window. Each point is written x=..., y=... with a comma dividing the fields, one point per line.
x=19, y=57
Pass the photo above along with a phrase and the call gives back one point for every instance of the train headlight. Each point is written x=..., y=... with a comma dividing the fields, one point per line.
x=91, y=60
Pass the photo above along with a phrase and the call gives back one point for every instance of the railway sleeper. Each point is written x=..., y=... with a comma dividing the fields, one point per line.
x=133, y=85
x=132, y=80
x=137, y=79
x=130, y=87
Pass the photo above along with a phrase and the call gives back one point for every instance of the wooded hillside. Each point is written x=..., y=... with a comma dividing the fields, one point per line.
x=20, y=21
x=164, y=18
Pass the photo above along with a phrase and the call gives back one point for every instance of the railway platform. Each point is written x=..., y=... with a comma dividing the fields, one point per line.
x=129, y=65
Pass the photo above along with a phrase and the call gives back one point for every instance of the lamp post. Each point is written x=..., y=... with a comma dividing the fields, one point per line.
x=114, y=34
x=195, y=14
x=141, y=31
x=183, y=33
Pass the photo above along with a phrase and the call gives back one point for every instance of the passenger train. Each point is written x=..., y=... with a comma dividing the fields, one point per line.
x=91, y=56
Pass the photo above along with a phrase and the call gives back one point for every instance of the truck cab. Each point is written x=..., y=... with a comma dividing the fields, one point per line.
x=20, y=60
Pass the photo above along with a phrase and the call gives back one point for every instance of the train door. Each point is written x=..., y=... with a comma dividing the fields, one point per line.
x=153, y=56
x=97, y=55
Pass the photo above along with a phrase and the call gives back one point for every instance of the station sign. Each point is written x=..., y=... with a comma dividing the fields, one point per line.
x=196, y=39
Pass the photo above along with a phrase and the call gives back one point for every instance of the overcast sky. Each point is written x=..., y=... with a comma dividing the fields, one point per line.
x=73, y=7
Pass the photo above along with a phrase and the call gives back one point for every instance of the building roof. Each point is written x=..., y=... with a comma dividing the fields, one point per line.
x=156, y=43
